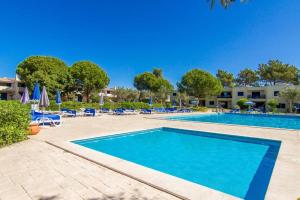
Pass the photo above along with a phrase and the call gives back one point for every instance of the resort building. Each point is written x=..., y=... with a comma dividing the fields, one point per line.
x=109, y=92
x=259, y=95
x=11, y=88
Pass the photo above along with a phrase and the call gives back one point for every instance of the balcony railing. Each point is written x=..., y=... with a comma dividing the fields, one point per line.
x=225, y=96
x=262, y=96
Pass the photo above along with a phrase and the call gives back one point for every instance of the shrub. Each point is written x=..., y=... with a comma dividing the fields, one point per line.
x=241, y=103
x=199, y=109
x=111, y=105
x=272, y=105
x=14, y=120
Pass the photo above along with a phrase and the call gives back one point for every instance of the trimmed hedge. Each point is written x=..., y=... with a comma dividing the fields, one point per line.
x=14, y=122
x=199, y=109
x=111, y=105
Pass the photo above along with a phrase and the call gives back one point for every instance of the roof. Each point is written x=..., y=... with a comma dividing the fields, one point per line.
x=7, y=80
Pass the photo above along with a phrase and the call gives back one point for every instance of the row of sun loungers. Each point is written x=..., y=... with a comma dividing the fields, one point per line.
x=55, y=119
x=74, y=113
x=171, y=110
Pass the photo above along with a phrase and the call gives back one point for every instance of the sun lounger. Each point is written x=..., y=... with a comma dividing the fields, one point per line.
x=89, y=112
x=250, y=111
x=46, y=119
x=124, y=111
x=235, y=111
x=119, y=111
x=171, y=110
x=68, y=112
x=159, y=110
x=104, y=110
x=145, y=111
x=184, y=110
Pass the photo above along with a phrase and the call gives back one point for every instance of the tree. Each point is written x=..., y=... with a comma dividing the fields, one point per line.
x=157, y=72
x=70, y=86
x=291, y=95
x=153, y=82
x=199, y=84
x=272, y=105
x=146, y=82
x=277, y=72
x=48, y=71
x=246, y=77
x=183, y=97
x=242, y=103
x=164, y=90
x=88, y=77
x=225, y=77
x=125, y=94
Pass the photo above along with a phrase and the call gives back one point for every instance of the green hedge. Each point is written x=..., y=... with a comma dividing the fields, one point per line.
x=14, y=121
x=111, y=105
x=199, y=109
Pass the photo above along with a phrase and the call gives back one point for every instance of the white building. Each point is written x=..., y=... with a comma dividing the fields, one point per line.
x=11, y=88
x=259, y=95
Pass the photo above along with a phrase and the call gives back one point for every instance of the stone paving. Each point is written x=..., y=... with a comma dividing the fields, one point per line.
x=35, y=170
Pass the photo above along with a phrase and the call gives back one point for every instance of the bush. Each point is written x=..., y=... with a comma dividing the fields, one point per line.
x=14, y=120
x=241, y=103
x=199, y=109
x=111, y=105
x=272, y=105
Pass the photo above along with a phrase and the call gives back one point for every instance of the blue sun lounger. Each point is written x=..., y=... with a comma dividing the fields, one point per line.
x=119, y=111
x=145, y=111
x=46, y=119
x=68, y=112
x=89, y=112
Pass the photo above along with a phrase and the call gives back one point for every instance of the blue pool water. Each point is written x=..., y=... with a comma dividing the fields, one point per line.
x=262, y=120
x=239, y=166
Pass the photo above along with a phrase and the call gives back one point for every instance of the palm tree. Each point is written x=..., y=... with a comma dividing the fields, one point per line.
x=291, y=95
x=224, y=3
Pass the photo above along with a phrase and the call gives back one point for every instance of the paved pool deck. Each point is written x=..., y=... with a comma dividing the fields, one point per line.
x=48, y=166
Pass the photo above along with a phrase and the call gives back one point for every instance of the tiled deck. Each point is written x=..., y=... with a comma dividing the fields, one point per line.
x=34, y=169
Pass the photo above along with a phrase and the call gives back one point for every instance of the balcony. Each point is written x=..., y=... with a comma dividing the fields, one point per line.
x=262, y=96
x=224, y=96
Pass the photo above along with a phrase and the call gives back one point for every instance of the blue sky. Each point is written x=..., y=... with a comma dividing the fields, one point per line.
x=133, y=36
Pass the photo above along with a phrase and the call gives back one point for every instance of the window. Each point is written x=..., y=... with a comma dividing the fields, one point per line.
x=5, y=84
x=211, y=103
x=21, y=84
x=255, y=95
x=107, y=92
x=3, y=96
x=240, y=94
x=276, y=93
x=174, y=94
x=281, y=105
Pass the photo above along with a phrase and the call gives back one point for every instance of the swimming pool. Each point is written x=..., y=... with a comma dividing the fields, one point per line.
x=240, y=166
x=261, y=120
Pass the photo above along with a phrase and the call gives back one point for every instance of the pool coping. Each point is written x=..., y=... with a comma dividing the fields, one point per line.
x=161, y=181
x=167, y=183
x=226, y=124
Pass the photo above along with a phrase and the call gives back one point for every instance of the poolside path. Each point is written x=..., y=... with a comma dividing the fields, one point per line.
x=35, y=170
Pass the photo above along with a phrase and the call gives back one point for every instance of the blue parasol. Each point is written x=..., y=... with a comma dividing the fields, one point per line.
x=58, y=99
x=173, y=103
x=36, y=95
x=150, y=101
